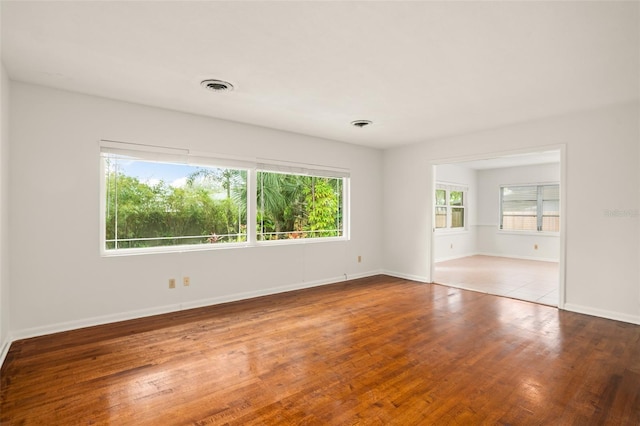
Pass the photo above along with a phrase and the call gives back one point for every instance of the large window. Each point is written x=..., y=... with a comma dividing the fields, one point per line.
x=155, y=204
x=155, y=199
x=450, y=207
x=293, y=206
x=530, y=207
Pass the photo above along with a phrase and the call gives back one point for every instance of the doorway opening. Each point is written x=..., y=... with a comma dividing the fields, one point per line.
x=498, y=225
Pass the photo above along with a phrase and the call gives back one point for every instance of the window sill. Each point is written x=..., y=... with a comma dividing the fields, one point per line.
x=171, y=249
x=210, y=247
x=451, y=231
x=298, y=241
x=530, y=233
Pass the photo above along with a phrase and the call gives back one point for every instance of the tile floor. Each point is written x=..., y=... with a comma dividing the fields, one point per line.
x=530, y=280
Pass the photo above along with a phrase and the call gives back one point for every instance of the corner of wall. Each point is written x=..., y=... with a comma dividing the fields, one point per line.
x=5, y=340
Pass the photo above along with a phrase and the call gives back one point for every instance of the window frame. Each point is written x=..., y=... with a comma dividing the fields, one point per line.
x=448, y=188
x=539, y=209
x=344, y=207
x=159, y=154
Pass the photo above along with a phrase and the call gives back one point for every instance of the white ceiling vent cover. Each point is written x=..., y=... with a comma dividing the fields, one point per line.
x=360, y=123
x=217, y=85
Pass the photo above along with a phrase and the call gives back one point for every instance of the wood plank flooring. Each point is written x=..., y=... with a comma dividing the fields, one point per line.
x=374, y=351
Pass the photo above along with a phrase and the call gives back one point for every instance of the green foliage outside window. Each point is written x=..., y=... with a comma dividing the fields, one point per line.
x=143, y=214
x=449, y=209
x=455, y=198
x=296, y=206
x=208, y=205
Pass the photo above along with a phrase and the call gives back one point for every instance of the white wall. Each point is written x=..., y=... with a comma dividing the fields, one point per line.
x=492, y=241
x=602, y=158
x=482, y=234
x=59, y=280
x=4, y=212
x=452, y=244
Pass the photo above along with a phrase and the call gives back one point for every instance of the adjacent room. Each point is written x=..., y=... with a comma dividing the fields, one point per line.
x=497, y=226
x=319, y=213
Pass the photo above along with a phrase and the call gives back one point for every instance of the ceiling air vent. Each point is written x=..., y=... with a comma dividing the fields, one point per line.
x=217, y=85
x=360, y=123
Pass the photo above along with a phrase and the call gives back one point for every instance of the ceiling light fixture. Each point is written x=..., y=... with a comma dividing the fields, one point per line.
x=216, y=85
x=360, y=123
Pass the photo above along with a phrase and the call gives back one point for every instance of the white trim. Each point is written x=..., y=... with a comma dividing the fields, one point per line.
x=457, y=256
x=450, y=186
x=444, y=232
x=529, y=183
x=405, y=276
x=602, y=313
x=514, y=232
x=364, y=275
x=290, y=167
x=4, y=349
x=495, y=154
x=149, y=152
x=93, y=321
x=267, y=243
x=172, y=249
x=563, y=202
x=156, y=153
x=142, y=313
x=274, y=290
x=562, y=273
x=527, y=233
x=541, y=259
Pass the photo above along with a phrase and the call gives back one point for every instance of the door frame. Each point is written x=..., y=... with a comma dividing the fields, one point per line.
x=562, y=148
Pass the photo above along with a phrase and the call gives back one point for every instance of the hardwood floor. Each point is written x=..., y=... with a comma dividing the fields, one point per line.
x=373, y=351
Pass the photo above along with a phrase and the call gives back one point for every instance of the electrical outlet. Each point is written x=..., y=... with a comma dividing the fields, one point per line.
x=359, y=259
x=186, y=281
x=172, y=283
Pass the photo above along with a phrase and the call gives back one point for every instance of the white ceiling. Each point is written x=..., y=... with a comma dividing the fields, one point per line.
x=418, y=70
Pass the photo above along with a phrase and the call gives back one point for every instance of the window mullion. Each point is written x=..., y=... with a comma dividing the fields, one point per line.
x=539, y=210
x=501, y=208
x=252, y=199
x=115, y=229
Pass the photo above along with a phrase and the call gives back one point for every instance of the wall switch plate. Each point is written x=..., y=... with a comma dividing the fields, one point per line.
x=172, y=283
x=186, y=281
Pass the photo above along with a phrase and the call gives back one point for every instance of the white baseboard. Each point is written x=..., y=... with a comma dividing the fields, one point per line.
x=458, y=256
x=366, y=274
x=274, y=290
x=141, y=313
x=602, y=313
x=4, y=350
x=405, y=276
x=93, y=321
x=540, y=259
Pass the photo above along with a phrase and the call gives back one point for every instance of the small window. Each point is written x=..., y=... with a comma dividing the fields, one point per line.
x=293, y=206
x=450, y=207
x=150, y=203
x=441, y=208
x=530, y=208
